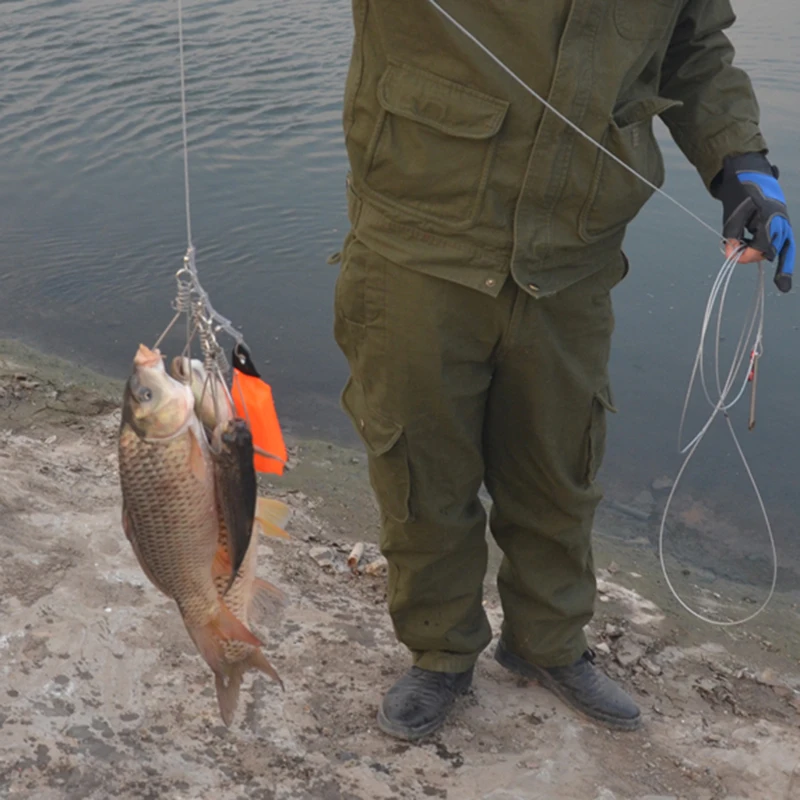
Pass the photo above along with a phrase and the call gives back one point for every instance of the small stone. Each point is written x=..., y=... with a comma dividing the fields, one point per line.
x=602, y=647
x=662, y=483
x=629, y=653
x=642, y=639
x=613, y=568
x=377, y=567
x=650, y=666
x=323, y=556
x=762, y=729
x=767, y=677
x=644, y=500
x=613, y=631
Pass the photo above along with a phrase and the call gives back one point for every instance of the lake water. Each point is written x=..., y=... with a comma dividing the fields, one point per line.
x=92, y=223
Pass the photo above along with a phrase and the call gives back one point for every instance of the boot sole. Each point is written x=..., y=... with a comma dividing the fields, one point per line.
x=521, y=667
x=408, y=734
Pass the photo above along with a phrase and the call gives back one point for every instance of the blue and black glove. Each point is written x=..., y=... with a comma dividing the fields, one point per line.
x=752, y=200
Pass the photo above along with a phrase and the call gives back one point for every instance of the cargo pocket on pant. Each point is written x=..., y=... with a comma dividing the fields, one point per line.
x=601, y=403
x=387, y=450
x=359, y=295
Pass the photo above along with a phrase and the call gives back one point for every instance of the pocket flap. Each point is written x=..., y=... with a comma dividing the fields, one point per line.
x=641, y=110
x=444, y=105
x=379, y=434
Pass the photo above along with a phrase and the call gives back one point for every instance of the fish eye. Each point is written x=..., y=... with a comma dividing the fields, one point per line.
x=144, y=394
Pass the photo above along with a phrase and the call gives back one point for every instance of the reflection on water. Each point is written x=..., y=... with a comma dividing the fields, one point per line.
x=92, y=225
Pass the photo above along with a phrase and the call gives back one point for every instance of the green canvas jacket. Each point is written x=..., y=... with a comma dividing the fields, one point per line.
x=457, y=171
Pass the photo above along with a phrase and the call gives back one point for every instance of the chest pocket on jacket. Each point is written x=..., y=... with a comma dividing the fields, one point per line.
x=433, y=146
x=642, y=20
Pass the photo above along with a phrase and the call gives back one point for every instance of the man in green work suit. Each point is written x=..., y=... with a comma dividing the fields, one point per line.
x=473, y=303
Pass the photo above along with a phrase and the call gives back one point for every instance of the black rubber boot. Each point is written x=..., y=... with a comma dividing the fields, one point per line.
x=580, y=685
x=419, y=702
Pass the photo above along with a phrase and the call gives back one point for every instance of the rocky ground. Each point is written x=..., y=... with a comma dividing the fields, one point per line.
x=103, y=696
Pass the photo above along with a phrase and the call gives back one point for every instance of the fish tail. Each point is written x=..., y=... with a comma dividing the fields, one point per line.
x=257, y=660
x=225, y=627
x=228, y=690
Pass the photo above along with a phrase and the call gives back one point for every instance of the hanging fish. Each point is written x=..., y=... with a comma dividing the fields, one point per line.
x=238, y=508
x=170, y=513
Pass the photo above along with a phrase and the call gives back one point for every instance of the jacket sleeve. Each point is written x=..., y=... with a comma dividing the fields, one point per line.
x=720, y=114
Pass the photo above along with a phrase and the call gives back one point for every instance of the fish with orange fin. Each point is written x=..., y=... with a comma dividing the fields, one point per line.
x=239, y=511
x=170, y=505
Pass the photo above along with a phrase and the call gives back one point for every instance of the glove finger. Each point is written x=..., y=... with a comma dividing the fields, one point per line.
x=781, y=234
x=787, y=256
x=735, y=225
x=764, y=236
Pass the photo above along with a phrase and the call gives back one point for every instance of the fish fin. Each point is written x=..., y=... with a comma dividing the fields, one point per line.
x=197, y=461
x=221, y=568
x=257, y=660
x=209, y=638
x=221, y=565
x=262, y=588
x=230, y=627
x=271, y=516
x=228, y=693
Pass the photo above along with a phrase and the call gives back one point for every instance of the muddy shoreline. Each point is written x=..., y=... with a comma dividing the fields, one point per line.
x=103, y=695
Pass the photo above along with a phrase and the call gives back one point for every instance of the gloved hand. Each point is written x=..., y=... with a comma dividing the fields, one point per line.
x=752, y=200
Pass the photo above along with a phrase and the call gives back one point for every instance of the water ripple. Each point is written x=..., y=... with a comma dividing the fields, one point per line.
x=105, y=74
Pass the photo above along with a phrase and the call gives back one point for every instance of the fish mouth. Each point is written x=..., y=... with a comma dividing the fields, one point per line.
x=181, y=369
x=145, y=357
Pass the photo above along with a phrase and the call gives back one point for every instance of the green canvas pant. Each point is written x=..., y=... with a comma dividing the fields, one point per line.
x=450, y=388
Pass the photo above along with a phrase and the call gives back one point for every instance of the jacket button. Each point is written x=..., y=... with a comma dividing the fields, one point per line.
x=490, y=282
